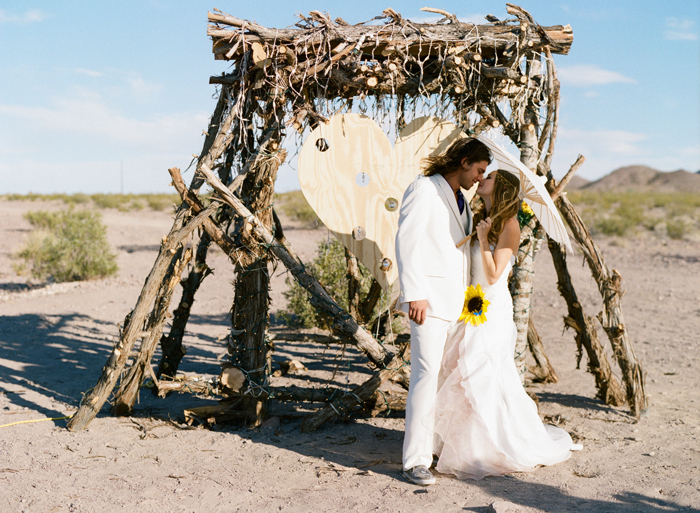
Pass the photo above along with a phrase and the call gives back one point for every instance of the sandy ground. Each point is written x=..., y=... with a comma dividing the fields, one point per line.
x=54, y=340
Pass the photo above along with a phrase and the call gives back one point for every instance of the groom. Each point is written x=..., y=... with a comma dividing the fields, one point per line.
x=433, y=275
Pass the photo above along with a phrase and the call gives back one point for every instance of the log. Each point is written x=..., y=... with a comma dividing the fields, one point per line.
x=187, y=385
x=94, y=399
x=543, y=372
x=609, y=390
x=358, y=396
x=503, y=73
x=353, y=277
x=377, y=37
x=531, y=237
x=249, y=318
x=611, y=318
x=126, y=395
x=320, y=298
x=171, y=346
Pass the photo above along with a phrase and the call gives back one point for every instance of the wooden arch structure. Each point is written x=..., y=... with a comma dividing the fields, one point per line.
x=497, y=75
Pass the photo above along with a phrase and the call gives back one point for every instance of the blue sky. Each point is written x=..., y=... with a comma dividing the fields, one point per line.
x=90, y=88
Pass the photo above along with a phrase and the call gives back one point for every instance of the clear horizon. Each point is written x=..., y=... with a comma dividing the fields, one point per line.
x=87, y=89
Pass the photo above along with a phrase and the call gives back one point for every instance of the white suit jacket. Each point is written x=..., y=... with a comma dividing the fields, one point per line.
x=430, y=265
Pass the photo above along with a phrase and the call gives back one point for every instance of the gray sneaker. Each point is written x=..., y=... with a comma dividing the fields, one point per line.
x=419, y=475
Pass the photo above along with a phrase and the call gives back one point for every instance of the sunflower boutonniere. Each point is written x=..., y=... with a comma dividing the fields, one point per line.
x=475, y=306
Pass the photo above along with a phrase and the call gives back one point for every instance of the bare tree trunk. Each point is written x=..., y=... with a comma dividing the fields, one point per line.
x=171, y=344
x=125, y=397
x=609, y=285
x=353, y=276
x=248, y=348
x=530, y=240
x=544, y=372
x=609, y=390
x=136, y=319
x=358, y=396
x=521, y=285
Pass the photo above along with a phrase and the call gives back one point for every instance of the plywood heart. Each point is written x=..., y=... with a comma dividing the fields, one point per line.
x=354, y=180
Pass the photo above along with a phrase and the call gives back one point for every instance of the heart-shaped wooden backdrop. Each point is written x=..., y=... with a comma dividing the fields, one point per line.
x=354, y=180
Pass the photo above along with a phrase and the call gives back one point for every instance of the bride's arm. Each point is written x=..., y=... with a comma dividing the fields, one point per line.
x=509, y=240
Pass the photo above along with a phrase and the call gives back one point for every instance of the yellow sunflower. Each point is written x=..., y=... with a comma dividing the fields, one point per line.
x=475, y=306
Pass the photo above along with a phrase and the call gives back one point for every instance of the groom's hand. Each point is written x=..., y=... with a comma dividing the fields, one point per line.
x=416, y=310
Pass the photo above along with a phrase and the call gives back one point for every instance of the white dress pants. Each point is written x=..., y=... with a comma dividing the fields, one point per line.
x=427, y=347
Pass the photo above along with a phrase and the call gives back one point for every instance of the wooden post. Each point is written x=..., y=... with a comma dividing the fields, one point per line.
x=248, y=347
x=543, y=372
x=530, y=239
x=353, y=277
x=171, y=344
x=214, y=146
x=609, y=285
x=94, y=399
x=609, y=390
x=126, y=395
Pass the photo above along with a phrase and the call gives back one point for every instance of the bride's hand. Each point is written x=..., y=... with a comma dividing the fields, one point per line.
x=482, y=230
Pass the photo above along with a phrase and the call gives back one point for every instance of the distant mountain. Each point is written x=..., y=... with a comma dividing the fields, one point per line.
x=643, y=178
x=577, y=183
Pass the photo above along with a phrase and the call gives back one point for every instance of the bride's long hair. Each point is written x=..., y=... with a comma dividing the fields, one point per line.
x=505, y=191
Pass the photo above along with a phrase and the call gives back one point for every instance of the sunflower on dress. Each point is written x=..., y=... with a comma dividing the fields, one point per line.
x=475, y=306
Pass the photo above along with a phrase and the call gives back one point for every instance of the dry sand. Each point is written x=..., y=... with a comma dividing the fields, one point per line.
x=55, y=339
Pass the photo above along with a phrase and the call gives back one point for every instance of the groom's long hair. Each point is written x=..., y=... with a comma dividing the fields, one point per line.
x=449, y=161
x=503, y=206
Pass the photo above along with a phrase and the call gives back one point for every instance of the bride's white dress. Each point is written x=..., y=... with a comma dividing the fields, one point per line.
x=485, y=423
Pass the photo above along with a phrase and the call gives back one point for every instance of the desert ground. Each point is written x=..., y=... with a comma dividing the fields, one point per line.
x=55, y=338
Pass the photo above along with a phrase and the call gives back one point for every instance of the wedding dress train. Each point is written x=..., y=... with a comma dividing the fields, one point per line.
x=484, y=422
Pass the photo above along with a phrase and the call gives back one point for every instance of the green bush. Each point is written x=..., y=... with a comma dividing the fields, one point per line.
x=330, y=269
x=676, y=228
x=67, y=246
x=613, y=225
x=162, y=201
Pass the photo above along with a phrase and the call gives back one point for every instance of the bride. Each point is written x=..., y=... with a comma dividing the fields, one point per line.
x=485, y=423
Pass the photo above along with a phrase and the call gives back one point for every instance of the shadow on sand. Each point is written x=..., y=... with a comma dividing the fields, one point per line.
x=59, y=357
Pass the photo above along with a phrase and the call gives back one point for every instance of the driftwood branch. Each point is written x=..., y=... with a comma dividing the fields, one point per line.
x=543, y=372
x=374, y=39
x=611, y=318
x=609, y=390
x=357, y=397
x=320, y=298
x=126, y=396
x=133, y=327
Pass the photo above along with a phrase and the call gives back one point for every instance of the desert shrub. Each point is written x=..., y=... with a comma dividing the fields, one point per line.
x=118, y=201
x=329, y=268
x=162, y=201
x=76, y=199
x=67, y=246
x=294, y=205
x=676, y=228
x=613, y=225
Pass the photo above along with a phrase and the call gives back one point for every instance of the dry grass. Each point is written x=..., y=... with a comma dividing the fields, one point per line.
x=294, y=205
x=674, y=215
x=70, y=245
x=122, y=202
